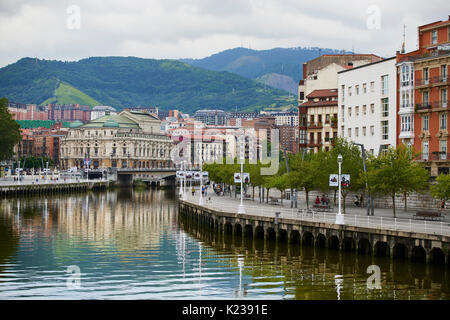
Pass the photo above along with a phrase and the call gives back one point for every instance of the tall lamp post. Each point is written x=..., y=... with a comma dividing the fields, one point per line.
x=241, y=206
x=340, y=216
x=201, y=202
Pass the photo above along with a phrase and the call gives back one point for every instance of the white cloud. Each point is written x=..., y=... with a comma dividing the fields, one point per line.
x=198, y=28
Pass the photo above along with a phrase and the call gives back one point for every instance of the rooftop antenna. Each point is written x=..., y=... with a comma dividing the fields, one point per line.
x=404, y=39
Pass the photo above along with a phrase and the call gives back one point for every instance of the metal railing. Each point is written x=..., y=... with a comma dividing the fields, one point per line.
x=371, y=222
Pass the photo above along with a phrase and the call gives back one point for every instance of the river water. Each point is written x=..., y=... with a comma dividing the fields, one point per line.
x=130, y=245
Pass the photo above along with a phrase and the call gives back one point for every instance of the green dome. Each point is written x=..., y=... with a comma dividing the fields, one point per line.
x=111, y=124
x=76, y=124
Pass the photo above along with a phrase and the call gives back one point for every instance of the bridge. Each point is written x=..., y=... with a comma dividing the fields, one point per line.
x=156, y=177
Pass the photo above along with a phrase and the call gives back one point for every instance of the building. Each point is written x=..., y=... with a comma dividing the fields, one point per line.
x=286, y=119
x=101, y=111
x=69, y=112
x=236, y=118
x=211, y=117
x=21, y=111
x=151, y=110
x=322, y=74
x=320, y=120
x=288, y=138
x=423, y=84
x=131, y=139
x=368, y=103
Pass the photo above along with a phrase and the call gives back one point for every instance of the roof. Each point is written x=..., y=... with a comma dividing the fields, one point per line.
x=319, y=103
x=103, y=108
x=367, y=65
x=322, y=93
x=122, y=122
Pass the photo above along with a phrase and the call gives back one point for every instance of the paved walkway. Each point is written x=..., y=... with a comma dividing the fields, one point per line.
x=354, y=215
x=7, y=183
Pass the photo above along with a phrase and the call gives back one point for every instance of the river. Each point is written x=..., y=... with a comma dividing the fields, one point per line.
x=129, y=244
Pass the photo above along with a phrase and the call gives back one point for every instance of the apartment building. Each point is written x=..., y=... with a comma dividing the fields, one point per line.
x=368, y=105
x=423, y=87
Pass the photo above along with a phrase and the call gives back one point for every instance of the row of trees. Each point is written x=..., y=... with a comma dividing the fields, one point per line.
x=392, y=173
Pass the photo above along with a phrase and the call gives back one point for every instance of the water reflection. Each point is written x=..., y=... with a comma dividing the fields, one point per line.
x=131, y=244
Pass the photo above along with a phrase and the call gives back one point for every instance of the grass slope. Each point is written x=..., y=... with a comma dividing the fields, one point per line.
x=67, y=94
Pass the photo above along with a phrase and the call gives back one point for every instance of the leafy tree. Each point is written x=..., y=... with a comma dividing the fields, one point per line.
x=441, y=190
x=9, y=131
x=393, y=172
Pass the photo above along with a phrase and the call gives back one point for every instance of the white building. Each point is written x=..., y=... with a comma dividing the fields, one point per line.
x=101, y=111
x=286, y=119
x=367, y=105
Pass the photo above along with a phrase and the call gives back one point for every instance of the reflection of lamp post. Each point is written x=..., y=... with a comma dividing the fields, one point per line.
x=340, y=217
x=201, y=179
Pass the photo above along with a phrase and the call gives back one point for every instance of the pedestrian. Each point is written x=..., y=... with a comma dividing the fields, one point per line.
x=193, y=191
x=324, y=200
x=357, y=201
x=317, y=200
x=443, y=205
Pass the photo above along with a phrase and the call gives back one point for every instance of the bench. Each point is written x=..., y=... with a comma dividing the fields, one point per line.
x=428, y=215
x=273, y=200
x=322, y=207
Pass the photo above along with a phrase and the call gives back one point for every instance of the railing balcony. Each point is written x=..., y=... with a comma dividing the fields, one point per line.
x=315, y=125
x=315, y=143
x=423, y=106
x=422, y=82
x=434, y=156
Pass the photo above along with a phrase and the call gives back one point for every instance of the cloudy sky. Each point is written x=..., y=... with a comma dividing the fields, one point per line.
x=76, y=29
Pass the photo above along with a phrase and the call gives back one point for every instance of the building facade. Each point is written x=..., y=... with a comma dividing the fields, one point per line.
x=211, y=117
x=320, y=120
x=368, y=105
x=423, y=84
x=101, y=111
x=130, y=139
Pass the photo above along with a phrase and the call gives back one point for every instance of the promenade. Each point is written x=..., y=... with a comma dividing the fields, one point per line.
x=354, y=216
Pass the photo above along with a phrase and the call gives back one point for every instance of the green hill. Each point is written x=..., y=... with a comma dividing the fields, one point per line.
x=263, y=64
x=67, y=94
x=130, y=81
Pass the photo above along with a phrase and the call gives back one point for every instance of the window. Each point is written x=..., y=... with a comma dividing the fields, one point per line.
x=425, y=75
x=405, y=75
x=426, y=96
x=384, y=130
x=444, y=98
x=356, y=132
x=356, y=111
x=349, y=111
x=425, y=150
x=357, y=90
x=343, y=92
x=372, y=108
x=385, y=85
x=372, y=130
x=349, y=132
x=443, y=118
x=444, y=72
x=434, y=37
x=342, y=131
x=364, y=109
x=443, y=148
x=327, y=118
x=385, y=107
x=350, y=91
x=364, y=87
x=343, y=112
x=364, y=131
x=372, y=86
x=425, y=123
x=406, y=124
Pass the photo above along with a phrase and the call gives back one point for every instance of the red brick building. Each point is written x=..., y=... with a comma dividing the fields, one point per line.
x=424, y=113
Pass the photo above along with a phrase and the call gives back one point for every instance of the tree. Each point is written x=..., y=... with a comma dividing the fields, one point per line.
x=9, y=131
x=302, y=173
x=393, y=172
x=441, y=190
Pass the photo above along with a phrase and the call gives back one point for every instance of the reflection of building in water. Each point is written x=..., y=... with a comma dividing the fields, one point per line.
x=134, y=222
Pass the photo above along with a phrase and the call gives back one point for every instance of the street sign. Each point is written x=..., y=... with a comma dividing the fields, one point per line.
x=345, y=180
x=237, y=177
x=334, y=180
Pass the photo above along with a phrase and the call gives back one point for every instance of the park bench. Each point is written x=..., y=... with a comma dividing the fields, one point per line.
x=428, y=215
x=322, y=207
x=273, y=200
x=247, y=197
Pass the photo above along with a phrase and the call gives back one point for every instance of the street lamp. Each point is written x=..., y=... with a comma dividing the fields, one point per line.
x=340, y=216
x=241, y=206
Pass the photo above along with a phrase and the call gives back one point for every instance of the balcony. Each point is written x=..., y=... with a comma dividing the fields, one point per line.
x=436, y=80
x=315, y=125
x=434, y=156
x=422, y=82
x=423, y=106
x=315, y=143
